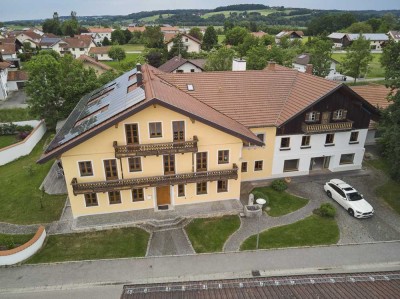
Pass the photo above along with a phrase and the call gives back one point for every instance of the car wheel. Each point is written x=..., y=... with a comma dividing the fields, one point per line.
x=329, y=194
x=351, y=212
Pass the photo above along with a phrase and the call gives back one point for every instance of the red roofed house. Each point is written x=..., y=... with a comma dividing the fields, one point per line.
x=76, y=46
x=190, y=43
x=157, y=141
x=100, y=53
x=89, y=62
x=99, y=33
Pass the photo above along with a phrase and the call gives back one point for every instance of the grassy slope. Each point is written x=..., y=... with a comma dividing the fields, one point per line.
x=281, y=203
x=264, y=12
x=130, y=57
x=20, y=194
x=313, y=230
x=7, y=140
x=375, y=70
x=14, y=114
x=132, y=47
x=155, y=17
x=210, y=234
x=115, y=243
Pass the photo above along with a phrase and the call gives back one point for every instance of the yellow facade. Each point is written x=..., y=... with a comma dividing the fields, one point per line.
x=100, y=148
x=251, y=154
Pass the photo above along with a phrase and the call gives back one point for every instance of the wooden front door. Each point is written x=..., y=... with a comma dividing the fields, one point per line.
x=326, y=117
x=163, y=196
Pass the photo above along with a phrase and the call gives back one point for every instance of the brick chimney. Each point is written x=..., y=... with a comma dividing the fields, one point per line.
x=309, y=69
x=271, y=65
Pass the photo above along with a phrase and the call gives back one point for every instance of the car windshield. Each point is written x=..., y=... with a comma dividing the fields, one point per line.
x=354, y=196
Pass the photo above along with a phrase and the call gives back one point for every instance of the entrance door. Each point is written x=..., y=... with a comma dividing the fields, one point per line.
x=163, y=196
x=326, y=117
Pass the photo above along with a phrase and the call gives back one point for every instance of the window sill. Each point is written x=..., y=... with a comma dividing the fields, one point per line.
x=354, y=142
x=329, y=144
x=257, y=169
x=284, y=149
x=305, y=146
x=290, y=170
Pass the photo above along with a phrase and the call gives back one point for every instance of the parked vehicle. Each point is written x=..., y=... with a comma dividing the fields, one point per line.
x=349, y=198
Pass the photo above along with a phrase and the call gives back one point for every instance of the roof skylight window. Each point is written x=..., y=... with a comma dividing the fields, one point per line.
x=190, y=87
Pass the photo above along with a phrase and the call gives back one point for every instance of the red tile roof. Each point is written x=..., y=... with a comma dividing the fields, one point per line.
x=99, y=50
x=17, y=76
x=4, y=65
x=175, y=62
x=136, y=29
x=375, y=94
x=94, y=62
x=34, y=36
x=259, y=34
x=255, y=98
x=100, y=30
x=77, y=42
x=169, y=36
x=7, y=49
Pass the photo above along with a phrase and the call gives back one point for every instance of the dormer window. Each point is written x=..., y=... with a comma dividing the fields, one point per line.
x=312, y=116
x=339, y=114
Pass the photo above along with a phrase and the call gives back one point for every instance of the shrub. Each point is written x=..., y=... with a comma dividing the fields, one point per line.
x=7, y=129
x=279, y=185
x=326, y=210
x=258, y=194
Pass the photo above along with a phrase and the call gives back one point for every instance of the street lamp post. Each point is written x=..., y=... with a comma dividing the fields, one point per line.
x=260, y=202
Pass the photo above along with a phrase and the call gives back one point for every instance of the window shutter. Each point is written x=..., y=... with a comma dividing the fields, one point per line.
x=344, y=114
x=317, y=115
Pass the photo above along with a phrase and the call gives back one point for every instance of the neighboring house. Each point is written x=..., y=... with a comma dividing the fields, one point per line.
x=100, y=53
x=259, y=34
x=291, y=35
x=50, y=43
x=191, y=44
x=395, y=35
x=76, y=46
x=376, y=95
x=182, y=65
x=89, y=62
x=16, y=80
x=169, y=29
x=154, y=140
x=377, y=40
x=4, y=65
x=8, y=51
x=29, y=36
x=303, y=60
x=98, y=34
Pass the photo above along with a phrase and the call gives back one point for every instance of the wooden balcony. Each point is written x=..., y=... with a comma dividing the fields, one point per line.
x=156, y=149
x=324, y=128
x=154, y=181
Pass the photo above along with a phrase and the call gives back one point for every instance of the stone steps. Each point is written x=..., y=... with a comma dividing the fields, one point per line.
x=165, y=224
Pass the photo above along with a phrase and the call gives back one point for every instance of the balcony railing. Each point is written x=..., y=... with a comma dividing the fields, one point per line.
x=154, y=181
x=330, y=127
x=155, y=149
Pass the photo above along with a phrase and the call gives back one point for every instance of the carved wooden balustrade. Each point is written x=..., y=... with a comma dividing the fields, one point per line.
x=154, y=181
x=330, y=127
x=155, y=149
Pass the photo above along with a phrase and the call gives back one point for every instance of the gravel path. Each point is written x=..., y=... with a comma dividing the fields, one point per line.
x=169, y=242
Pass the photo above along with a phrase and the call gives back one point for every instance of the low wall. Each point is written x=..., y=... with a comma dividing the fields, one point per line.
x=24, y=147
x=25, y=251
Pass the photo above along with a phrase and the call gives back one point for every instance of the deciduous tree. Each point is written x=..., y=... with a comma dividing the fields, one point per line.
x=357, y=58
x=220, y=60
x=196, y=33
x=321, y=56
x=153, y=37
x=210, y=39
x=235, y=36
x=116, y=53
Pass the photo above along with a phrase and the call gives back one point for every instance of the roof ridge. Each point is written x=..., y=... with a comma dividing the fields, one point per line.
x=287, y=98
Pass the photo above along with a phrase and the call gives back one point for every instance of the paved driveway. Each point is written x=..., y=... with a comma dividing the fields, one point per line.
x=383, y=226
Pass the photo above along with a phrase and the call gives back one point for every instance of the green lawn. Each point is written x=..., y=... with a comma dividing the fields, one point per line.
x=130, y=58
x=281, y=203
x=313, y=230
x=221, y=38
x=14, y=114
x=131, y=47
x=20, y=195
x=15, y=240
x=375, y=70
x=115, y=243
x=210, y=234
x=389, y=191
x=263, y=12
x=7, y=140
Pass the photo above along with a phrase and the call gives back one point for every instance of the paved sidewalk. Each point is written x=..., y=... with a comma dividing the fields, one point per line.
x=86, y=274
x=169, y=242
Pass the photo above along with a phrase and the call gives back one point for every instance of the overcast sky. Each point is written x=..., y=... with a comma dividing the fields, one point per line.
x=38, y=9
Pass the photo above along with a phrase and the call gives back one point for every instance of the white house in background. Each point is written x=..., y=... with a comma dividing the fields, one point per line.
x=76, y=46
x=16, y=79
x=303, y=60
x=395, y=35
x=30, y=37
x=100, y=53
x=290, y=34
x=50, y=43
x=99, y=33
x=377, y=40
x=3, y=79
x=190, y=43
x=182, y=65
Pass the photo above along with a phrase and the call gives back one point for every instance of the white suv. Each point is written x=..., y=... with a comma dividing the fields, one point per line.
x=348, y=198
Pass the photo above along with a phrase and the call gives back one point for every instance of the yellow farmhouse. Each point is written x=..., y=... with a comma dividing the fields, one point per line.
x=151, y=140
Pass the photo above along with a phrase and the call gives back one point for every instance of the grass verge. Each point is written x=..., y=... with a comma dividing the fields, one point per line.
x=389, y=191
x=210, y=234
x=115, y=243
x=7, y=140
x=281, y=202
x=20, y=196
x=311, y=231
x=132, y=47
x=375, y=69
x=14, y=240
x=14, y=114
